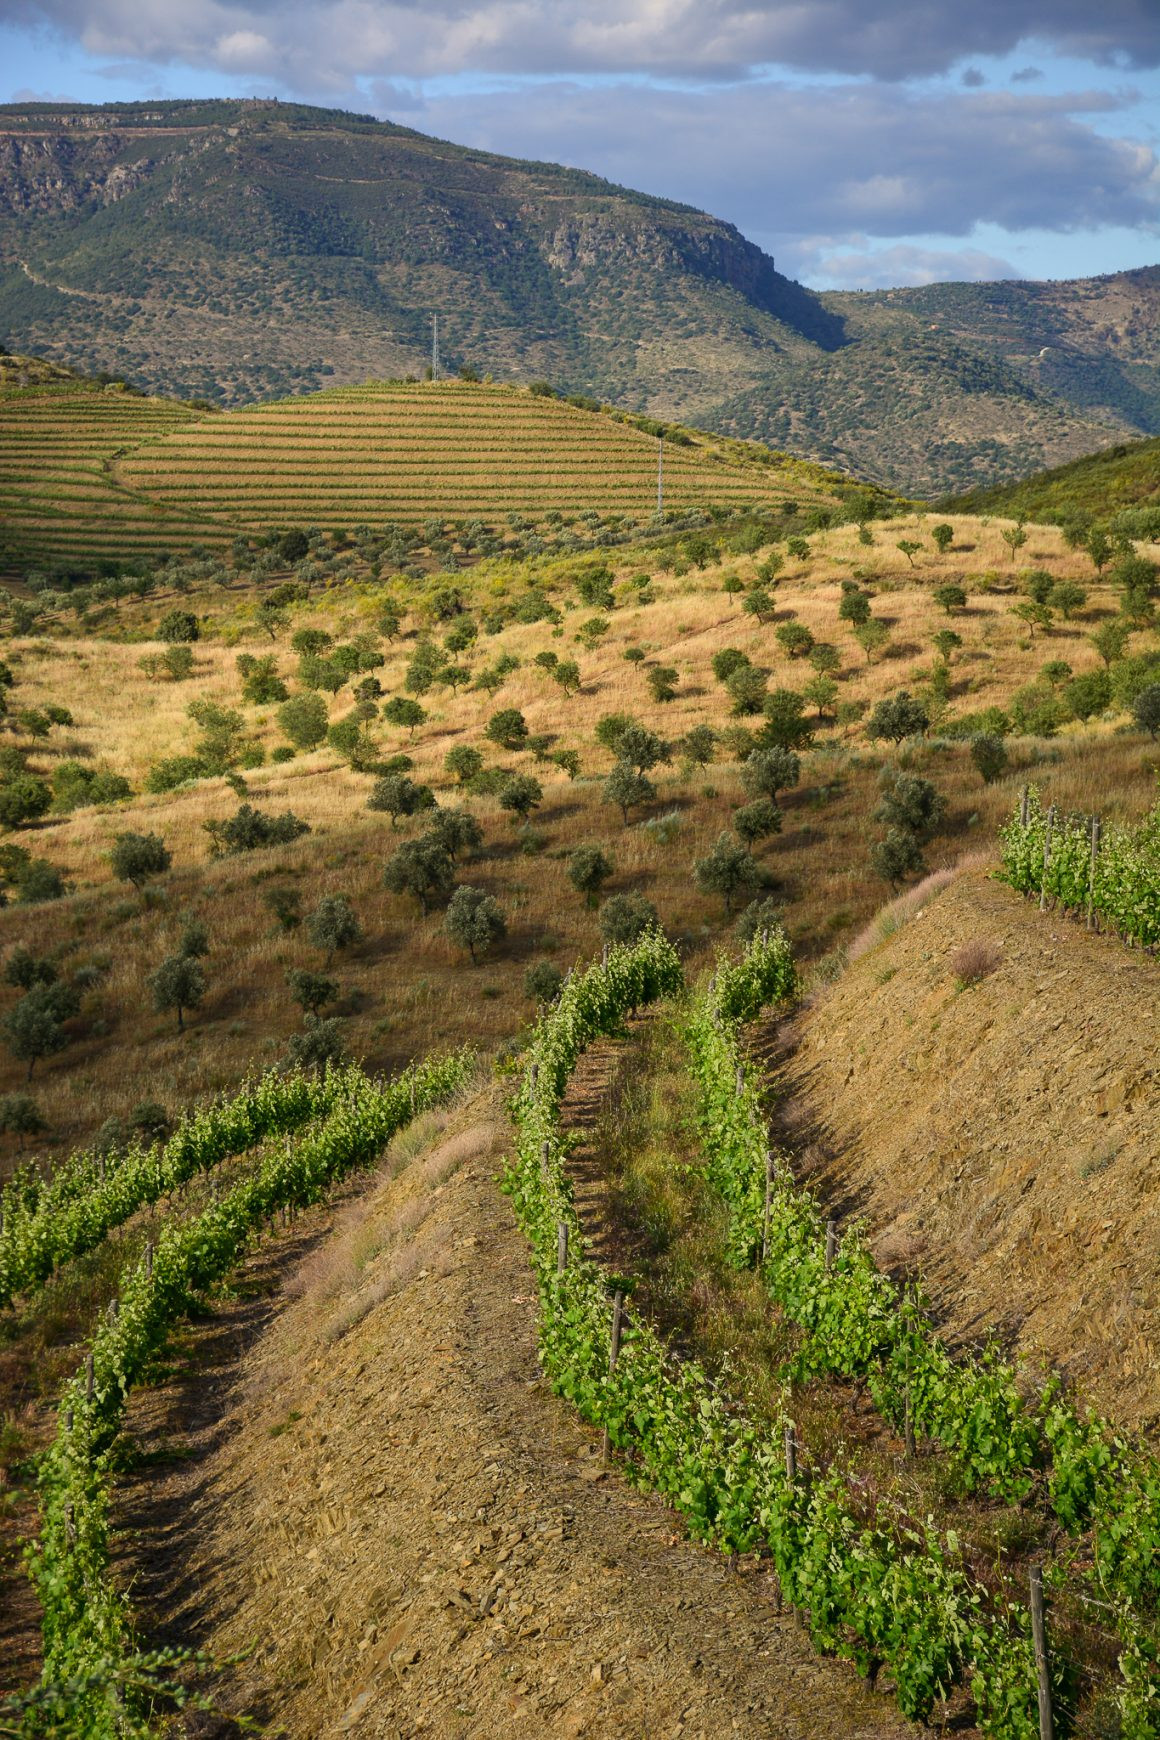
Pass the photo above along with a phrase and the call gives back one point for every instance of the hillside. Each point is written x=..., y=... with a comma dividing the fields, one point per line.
x=1001, y=1139
x=1120, y=485
x=241, y=251
x=92, y=471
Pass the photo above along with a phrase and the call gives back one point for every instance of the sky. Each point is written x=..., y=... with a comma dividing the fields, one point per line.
x=862, y=143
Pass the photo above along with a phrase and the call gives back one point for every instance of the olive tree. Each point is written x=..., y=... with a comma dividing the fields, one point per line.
x=588, y=870
x=136, y=857
x=474, y=921
x=333, y=925
x=421, y=868
x=627, y=788
x=178, y=984
x=728, y=870
x=626, y=917
x=897, y=717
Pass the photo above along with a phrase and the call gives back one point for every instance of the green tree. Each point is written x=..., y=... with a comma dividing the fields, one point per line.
x=588, y=870
x=747, y=686
x=945, y=642
x=761, y=917
x=625, y=918
x=728, y=870
x=950, y=598
x=457, y=831
x=23, y=798
x=178, y=984
x=261, y=684
x=402, y=711
x=897, y=856
x=1100, y=548
x=399, y=796
x=20, y=1116
x=319, y=1046
x=1014, y=537
x=944, y=537
x=463, y=762
x=989, y=755
x=34, y=1027
x=568, y=761
x=25, y=969
x=726, y=660
x=474, y=921
x=767, y=772
x=222, y=730
x=854, y=607
x=871, y=636
x=303, y=719
x=1146, y=710
x=137, y=857
x=628, y=789
x=911, y=802
x=311, y=991
x=825, y=659
x=1109, y=640
x=249, y=829
x=286, y=906
x=821, y=692
x=786, y=726
x=662, y=681
x=194, y=938
x=333, y=925
x=910, y=548
x=759, y=603
x=699, y=745
x=508, y=728
x=311, y=643
x=898, y=717
x=521, y=795
x=795, y=638
x=640, y=747
x=1032, y=615
x=420, y=868
x=1066, y=597
x=566, y=672
x=757, y=821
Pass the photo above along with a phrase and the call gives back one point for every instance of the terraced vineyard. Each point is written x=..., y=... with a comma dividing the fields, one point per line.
x=59, y=438
x=95, y=471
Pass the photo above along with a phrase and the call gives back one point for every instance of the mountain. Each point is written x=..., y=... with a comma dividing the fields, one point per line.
x=241, y=250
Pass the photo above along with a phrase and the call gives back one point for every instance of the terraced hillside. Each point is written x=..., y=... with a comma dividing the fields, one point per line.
x=59, y=438
x=90, y=470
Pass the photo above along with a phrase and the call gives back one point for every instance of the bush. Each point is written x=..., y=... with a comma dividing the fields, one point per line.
x=974, y=960
x=319, y=1046
x=796, y=639
x=23, y=798
x=897, y=856
x=463, y=762
x=1146, y=710
x=75, y=786
x=626, y=917
x=400, y=710
x=174, y=771
x=521, y=794
x=474, y=921
x=20, y=1116
x=746, y=686
x=286, y=906
x=178, y=625
x=457, y=831
x=24, y=969
x=249, y=829
x=542, y=982
x=662, y=681
x=34, y=1027
x=759, y=916
x=1088, y=694
x=727, y=660
x=699, y=745
x=136, y=857
x=311, y=991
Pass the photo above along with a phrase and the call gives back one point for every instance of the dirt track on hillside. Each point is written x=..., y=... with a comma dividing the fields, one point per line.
x=412, y=1536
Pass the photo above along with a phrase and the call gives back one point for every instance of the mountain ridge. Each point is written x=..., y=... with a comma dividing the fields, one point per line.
x=240, y=250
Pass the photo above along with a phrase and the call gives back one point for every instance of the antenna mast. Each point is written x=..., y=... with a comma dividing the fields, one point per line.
x=434, y=347
x=660, y=477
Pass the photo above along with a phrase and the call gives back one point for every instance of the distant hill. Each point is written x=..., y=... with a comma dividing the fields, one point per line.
x=1120, y=484
x=91, y=470
x=238, y=251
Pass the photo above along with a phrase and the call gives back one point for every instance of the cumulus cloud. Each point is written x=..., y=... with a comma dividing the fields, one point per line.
x=830, y=264
x=785, y=162
x=327, y=43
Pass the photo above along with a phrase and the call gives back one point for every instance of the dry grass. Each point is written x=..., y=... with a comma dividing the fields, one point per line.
x=975, y=960
x=405, y=989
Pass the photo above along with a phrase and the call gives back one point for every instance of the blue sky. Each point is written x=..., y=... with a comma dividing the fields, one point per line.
x=861, y=142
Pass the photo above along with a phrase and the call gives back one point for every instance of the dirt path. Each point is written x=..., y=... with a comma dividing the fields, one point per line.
x=409, y=1535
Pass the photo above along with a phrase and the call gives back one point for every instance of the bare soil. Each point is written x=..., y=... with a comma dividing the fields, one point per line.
x=1000, y=1139
x=406, y=1533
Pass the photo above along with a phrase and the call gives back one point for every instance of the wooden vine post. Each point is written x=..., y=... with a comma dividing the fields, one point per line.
x=561, y=1246
x=831, y=1242
x=1024, y=808
x=1097, y=829
x=790, y=1456
x=1046, y=858
x=1042, y=1666
x=613, y=1356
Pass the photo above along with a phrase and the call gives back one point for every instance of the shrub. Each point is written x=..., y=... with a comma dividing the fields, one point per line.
x=786, y=726
x=1088, y=694
x=174, y=771
x=20, y=1116
x=746, y=686
x=796, y=639
x=248, y=829
x=286, y=906
x=319, y=1046
x=74, y=786
x=699, y=745
x=261, y=684
x=136, y=857
x=24, y=969
x=463, y=762
x=397, y=795
x=854, y=608
x=23, y=798
x=178, y=625
x=542, y=982
x=975, y=960
x=625, y=918
x=474, y=921
x=759, y=916
x=727, y=660
x=400, y=710
x=950, y=598
x=662, y=681
x=628, y=789
x=1146, y=710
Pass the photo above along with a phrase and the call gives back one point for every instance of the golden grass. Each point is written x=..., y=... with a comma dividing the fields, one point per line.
x=405, y=987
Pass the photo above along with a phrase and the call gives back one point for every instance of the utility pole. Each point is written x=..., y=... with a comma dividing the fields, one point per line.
x=434, y=347
x=660, y=477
